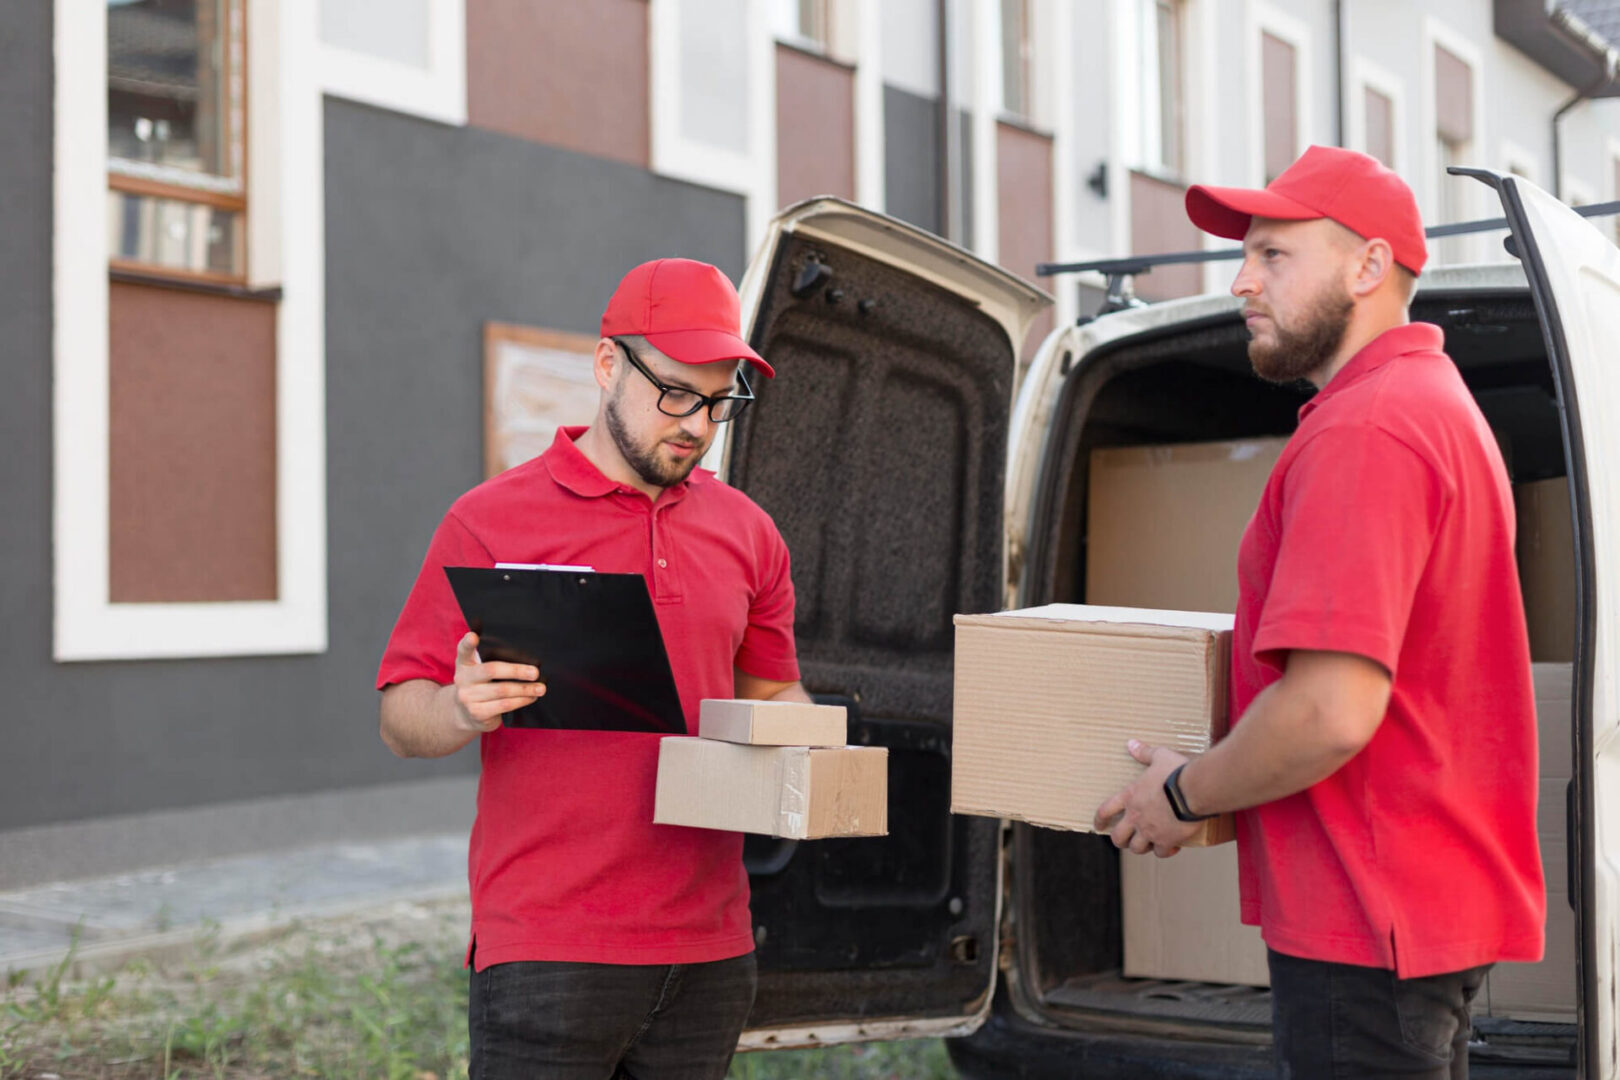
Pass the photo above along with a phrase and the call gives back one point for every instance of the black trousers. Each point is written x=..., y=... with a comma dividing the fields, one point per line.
x=1333, y=1021
x=549, y=1020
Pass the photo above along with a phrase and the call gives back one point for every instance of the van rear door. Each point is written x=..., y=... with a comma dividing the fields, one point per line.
x=1574, y=275
x=880, y=450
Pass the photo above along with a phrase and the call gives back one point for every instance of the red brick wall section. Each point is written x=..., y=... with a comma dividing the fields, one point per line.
x=1024, y=199
x=1159, y=224
x=564, y=72
x=193, y=447
x=815, y=126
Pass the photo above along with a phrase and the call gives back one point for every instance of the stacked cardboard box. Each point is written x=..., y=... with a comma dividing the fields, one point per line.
x=1046, y=698
x=777, y=768
x=1546, y=554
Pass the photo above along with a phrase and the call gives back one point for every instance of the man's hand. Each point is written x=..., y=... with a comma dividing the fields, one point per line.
x=1140, y=818
x=484, y=692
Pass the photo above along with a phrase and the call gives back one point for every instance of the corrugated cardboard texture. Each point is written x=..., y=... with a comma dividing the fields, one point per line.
x=1546, y=553
x=1047, y=697
x=1163, y=523
x=796, y=792
x=1182, y=919
x=773, y=723
x=1546, y=991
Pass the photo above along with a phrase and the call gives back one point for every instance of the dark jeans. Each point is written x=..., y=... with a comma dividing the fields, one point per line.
x=565, y=1021
x=1333, y=1021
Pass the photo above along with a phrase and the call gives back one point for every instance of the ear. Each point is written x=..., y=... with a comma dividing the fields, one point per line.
x=1373, y=264
x=605, y=363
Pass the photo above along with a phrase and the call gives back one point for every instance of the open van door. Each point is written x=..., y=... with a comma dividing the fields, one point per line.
x=880, y=450
x=1574, y=275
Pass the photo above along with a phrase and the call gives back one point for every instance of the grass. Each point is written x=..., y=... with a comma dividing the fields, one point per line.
x=382, y=998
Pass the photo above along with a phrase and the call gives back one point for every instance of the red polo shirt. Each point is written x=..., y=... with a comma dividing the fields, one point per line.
x=564, y=861
x=1386, y=530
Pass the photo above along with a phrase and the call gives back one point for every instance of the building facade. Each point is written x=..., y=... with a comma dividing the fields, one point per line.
x=266, y=254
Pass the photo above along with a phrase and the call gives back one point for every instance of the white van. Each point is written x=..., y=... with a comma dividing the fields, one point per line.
x=911, y=486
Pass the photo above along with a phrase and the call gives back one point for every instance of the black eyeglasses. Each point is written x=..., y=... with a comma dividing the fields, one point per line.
x=678, y=401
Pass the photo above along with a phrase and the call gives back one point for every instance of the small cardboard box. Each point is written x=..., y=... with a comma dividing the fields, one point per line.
x=1546, y=990
x=796, y=792
x=773, y=723
x=1047, y=697
x=1183, y=919
x=1546, y=554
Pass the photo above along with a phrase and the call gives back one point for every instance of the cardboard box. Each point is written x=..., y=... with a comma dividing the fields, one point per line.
x=797, y=792
x=1546, y=990
x=1163, y=523
x=773, y=723
x=1546, y=554
x=1182, y=919
x=1046, y=698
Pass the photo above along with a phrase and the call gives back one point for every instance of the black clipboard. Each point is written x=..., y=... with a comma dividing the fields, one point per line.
x=593, y=636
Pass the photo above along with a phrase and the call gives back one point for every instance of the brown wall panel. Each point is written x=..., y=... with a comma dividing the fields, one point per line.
x=1280, y=88
x=1159, y=224
x=1380, y=112
x=562, y=72
x=193, y=446
x=1024, y=203
x=1453, y=96
x=815, y=126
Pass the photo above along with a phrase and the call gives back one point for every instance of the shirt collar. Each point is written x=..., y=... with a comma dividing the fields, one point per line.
x=570, y=468
x=1395, y=342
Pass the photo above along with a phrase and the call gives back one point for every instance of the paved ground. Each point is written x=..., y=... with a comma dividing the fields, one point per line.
x=167, y=909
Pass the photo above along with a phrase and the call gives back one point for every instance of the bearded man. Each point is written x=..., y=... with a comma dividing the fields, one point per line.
x=603, y=945
x=1383, y=760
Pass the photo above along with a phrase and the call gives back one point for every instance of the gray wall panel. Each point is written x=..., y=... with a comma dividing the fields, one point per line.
x=911, y=158
x=431, y=230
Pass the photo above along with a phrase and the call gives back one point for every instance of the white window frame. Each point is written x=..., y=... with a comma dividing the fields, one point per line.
x=286, y=248
x=752, y=173
x=1366, y=75
x=1577, y=192
x=436, y=92
x=1266, y=19
x=864, y=41
x=1474, y=206
x=1129, y=38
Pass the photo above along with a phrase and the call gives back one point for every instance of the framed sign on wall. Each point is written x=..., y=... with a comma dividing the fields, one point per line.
x=535, y=381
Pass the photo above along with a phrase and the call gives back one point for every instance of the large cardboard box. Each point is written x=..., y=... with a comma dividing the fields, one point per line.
x=1163, y=522
x=1546, y=991
x=1546, y=553
x=797, y=792
x=773, y=723
x=1183, y=919
x=1047, y=697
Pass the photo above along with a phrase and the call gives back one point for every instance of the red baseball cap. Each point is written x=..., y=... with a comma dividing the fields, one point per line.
x=687, y=310
x=1326, y=182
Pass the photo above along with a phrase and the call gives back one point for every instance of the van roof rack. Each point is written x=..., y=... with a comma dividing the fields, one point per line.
x=1118, y=272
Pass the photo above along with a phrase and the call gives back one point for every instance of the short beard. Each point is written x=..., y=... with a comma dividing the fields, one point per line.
x=643, y=459
x=1299, y=351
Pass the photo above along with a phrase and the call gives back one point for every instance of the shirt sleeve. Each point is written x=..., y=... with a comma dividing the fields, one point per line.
x=767, y=650
x=1359, y=514
x=423, y=644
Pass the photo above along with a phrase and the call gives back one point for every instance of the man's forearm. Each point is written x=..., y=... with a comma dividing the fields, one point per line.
x=418, y=720
x=1291, y=737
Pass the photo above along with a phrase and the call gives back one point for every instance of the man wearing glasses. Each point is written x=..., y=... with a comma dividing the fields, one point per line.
x=604, y=945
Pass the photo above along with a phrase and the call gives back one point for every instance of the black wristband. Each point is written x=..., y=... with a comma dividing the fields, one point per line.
x=1178, y=801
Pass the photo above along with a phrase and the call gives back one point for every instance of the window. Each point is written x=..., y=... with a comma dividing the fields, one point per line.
x=1016, y=87
x=176, y=136
x=1453, y=135
x=1162, y=90
x=805, y=23
x=1279, y=89
x=1379, y=116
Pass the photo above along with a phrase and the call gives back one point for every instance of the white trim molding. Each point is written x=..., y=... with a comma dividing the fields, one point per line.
x=1266, y=19
x=983, y=31
x=286, y=248
x=1366, y=75
x=870, y=166
x=750, y=172
x=1577, y=192
x=1472, y=202
x=436, y=92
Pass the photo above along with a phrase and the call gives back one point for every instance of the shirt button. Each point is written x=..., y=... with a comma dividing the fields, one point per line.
x=662, y=564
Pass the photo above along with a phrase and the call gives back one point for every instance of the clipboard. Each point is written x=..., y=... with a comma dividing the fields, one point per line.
x=593, y=636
